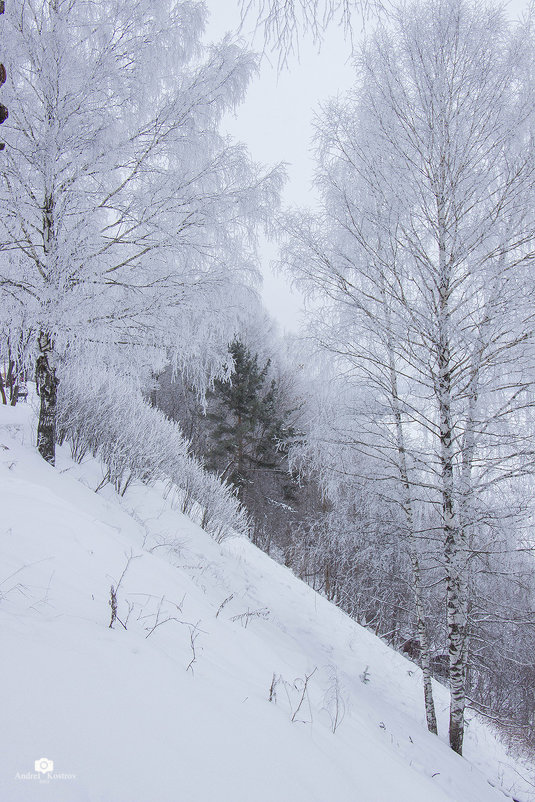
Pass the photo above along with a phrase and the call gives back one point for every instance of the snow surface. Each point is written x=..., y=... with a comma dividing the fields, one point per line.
x=180, y=712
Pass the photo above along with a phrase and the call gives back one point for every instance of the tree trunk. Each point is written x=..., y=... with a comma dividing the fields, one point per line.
x=453, y=536
x=425, y=659
x=455, y=618
x=47, y=389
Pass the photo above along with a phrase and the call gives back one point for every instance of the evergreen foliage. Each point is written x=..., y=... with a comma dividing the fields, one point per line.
x=248, y=425
x=243, y=434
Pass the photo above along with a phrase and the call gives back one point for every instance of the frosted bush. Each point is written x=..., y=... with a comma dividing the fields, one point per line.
x=105, y=414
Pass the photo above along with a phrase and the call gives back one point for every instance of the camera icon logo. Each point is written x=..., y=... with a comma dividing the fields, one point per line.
x=44, y=765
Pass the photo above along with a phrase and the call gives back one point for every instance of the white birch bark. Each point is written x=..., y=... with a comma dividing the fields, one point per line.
x=455, y=580
x=407, y=505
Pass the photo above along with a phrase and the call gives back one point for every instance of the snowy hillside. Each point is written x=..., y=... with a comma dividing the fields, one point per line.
x=175, y=708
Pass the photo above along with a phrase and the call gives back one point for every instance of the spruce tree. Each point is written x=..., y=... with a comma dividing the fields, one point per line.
x=248, y=426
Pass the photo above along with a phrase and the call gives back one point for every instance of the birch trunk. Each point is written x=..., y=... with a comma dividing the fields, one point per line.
x=455, y=615
x=45, y=372
x=47, y=389
x=425, y=660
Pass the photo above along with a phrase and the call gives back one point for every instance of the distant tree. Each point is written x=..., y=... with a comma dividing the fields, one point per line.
x=243, y=432
x=243, y=427
x=248, y=428
x=128, y=217
x=13, y=375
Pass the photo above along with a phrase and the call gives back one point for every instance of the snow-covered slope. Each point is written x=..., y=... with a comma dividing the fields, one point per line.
x=175, y=708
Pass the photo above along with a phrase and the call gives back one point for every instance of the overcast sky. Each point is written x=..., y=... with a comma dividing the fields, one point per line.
x=276, y=121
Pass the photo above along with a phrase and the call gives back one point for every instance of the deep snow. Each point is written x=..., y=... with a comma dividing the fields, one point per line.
x=180, y=712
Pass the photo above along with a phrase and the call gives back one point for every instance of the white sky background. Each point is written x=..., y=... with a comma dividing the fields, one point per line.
x=275, y=121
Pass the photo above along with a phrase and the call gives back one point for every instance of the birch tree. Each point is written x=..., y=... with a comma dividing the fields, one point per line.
x=424, y=251
x=129, y=220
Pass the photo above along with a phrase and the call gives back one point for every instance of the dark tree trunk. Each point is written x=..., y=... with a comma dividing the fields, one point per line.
x=14, y=395
x=12, y=381
x=47, y=388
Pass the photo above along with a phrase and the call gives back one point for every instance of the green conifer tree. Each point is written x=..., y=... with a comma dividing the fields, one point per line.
x=249, y=425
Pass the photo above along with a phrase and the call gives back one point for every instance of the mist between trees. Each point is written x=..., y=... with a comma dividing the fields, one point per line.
x=388, y=456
